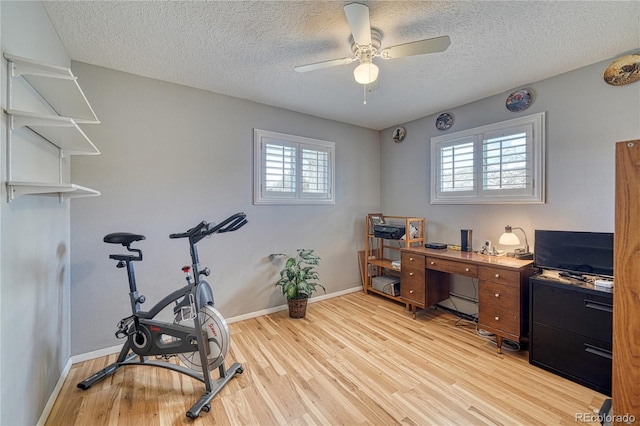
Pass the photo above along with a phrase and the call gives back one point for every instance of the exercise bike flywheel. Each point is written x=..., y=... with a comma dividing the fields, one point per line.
x=217, y=331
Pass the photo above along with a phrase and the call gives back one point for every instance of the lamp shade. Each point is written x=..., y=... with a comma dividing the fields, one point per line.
x=509, y=239
x=366, y=73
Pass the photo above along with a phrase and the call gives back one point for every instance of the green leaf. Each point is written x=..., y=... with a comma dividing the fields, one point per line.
x=297, y=274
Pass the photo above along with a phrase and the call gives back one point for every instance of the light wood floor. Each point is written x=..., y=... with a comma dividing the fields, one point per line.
x=355, y=359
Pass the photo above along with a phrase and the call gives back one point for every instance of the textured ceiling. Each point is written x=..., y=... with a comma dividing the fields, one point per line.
x=248, y=49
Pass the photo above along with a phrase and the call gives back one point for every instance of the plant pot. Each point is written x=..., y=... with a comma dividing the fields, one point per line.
x=298, y=307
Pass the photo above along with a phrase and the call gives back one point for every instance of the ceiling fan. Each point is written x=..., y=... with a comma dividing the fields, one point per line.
x=366, y=45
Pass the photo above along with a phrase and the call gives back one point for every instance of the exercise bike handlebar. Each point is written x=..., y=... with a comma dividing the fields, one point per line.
x=203, y=229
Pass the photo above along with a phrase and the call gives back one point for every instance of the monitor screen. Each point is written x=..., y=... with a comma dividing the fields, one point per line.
x=589, y=253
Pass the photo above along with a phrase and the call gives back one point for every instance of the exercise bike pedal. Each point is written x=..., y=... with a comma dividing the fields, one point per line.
x=123, y=327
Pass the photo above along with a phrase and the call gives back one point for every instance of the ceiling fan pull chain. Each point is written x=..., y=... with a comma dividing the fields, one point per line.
x=365, y=94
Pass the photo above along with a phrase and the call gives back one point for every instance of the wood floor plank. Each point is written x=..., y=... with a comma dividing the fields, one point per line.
x=355, y=359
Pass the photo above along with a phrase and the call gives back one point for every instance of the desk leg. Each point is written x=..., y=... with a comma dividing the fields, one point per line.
x=499, y=343
x=412, y=308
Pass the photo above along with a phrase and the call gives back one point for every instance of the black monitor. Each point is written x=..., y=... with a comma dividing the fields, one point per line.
x=589, y=253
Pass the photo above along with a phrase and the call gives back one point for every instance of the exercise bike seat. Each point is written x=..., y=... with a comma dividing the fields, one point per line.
x=124, y=238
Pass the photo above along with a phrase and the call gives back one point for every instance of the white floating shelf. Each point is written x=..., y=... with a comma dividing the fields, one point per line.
x=57, y=85
x=69, y=190
x=63, y=132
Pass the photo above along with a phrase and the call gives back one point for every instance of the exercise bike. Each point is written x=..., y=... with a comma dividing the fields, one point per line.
x=199, y=335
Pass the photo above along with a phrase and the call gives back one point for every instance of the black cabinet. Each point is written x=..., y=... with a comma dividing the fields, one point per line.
x=571, y=331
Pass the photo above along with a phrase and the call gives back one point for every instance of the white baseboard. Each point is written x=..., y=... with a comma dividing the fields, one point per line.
x=285, y=307
x=96, y=354
x=54, y=394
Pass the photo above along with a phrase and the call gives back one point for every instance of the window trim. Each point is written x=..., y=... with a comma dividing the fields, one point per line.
x=536, y=148
x=299, y=197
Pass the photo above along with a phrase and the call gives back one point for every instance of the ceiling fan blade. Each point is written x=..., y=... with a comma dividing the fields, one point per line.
x=431, y=45
x=324, y=64
x=358, y=17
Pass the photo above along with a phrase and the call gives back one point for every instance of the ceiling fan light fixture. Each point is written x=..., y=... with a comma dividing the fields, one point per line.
x=366, y=73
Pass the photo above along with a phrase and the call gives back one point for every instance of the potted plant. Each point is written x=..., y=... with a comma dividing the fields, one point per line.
x=298, y=280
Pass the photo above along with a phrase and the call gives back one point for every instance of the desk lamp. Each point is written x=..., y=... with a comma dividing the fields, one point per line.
x=511, y=239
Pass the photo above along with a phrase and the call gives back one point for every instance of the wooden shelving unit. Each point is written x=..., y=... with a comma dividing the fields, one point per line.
x=381, y=252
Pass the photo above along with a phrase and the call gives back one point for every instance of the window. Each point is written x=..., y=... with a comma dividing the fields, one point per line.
x=500, y=163
x=292, y=169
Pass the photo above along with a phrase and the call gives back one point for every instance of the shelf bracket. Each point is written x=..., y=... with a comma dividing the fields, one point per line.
x=21, y=66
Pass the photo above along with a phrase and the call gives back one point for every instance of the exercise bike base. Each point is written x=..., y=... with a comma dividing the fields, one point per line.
x=205, y=399
x=104, y=373
x=128, y=358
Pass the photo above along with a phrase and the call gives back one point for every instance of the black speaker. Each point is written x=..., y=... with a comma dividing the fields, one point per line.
x=465, y=240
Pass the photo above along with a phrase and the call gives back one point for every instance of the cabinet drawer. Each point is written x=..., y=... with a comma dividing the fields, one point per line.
x=585, y=312
x=411, y=259
x=412, y=284
x=575, y=357
x=498, y=295
x=500, y=276
x=499, y=319
x=452, y=267
x=411, y=274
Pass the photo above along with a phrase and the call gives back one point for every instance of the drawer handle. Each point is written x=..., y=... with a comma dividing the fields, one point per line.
x=497, y=318
x=597, y=351
x=432, y=263
x=466, y=269
x=592, y=304
x=411, y=259
x=497, y=275
x=410, y=291
x=410, y=274
x=497, y=294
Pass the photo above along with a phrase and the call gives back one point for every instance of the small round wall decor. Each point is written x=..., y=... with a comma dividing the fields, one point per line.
x=399, y=134
x=444, y=121
x=519, y=100
x=623, y=71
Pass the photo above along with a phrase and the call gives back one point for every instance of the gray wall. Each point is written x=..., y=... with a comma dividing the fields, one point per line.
x=173, y=156
x=585, y=117
x=34, y=277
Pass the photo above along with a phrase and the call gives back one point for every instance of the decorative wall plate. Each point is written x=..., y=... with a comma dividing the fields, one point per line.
x=399, y=134
x=623, y=71
x=444, y=121
x=519, y=100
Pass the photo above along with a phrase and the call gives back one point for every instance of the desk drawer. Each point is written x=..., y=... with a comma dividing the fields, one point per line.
x=498, y=295
x=411, y=259
x=500, y=319
x=500, y=276
x=452, y=267
x=412, y=284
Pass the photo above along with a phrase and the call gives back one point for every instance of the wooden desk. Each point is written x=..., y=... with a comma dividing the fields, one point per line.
x=502, y=286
